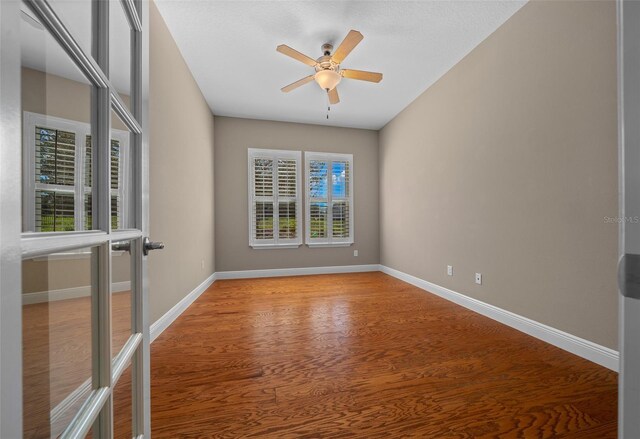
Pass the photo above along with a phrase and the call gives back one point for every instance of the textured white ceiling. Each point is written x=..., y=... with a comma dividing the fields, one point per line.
x=230, y=47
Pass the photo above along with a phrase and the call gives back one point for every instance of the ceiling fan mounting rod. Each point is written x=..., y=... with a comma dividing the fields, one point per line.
x=327, y=49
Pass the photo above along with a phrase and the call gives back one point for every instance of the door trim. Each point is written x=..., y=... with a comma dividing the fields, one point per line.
x=10, y=223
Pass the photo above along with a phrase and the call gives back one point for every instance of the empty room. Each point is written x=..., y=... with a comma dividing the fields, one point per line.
x=319, y=219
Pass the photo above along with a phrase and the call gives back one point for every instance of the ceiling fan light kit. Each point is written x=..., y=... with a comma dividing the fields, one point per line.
x=327, y=79
x=328, y=72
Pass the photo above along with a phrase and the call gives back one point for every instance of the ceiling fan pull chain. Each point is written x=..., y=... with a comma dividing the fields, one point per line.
x=328, y=106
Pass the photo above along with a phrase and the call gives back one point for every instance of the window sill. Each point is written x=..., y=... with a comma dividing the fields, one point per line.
x=273, y=246
x=334, y=244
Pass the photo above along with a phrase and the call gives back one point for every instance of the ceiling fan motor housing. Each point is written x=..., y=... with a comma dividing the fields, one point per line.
x=326, y=63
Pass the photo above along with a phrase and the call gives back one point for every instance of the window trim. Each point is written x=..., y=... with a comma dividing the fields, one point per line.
x=79, y=190
x=276, y=242
x=329, y=241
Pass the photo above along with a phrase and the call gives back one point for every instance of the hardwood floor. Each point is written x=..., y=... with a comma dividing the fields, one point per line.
x=364, y=355
x=57, y=356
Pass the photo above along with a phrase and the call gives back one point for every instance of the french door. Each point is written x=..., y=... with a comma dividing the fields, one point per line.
x=74, y=331
x=629, y=244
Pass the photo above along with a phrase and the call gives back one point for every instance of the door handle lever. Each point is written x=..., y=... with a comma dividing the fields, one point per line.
x=148, y=245
x=124, y=246
x=629, y=275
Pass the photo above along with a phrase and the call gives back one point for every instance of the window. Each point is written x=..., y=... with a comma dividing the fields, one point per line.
x=274, y=198
x=58, y=173
x=329, y=199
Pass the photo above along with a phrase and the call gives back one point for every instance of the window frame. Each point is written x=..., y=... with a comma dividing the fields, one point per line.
x=329, y=241
x=276, y=241
x=81, y=130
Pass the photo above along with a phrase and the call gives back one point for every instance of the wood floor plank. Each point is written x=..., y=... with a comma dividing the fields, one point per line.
x=364, y=355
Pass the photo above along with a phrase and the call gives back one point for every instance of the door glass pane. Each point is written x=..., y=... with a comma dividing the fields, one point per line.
x=120, y=295
x=122, y=407
x=121, y=181
x=76, y=16
x=56, y=119
x=120, y=51
x=56, y=319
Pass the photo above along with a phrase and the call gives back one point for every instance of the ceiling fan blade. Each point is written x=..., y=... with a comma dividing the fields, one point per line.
x=333, y=96
x=283, y=48
x=350, y=41
x=362, y=75
x=297, y=84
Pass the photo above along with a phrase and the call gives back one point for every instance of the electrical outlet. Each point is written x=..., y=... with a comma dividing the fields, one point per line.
x=450, y=270
x=479, y=278
x=355, y=253
x=202, y=264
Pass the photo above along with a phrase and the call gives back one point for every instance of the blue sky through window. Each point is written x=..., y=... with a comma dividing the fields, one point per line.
x=318, y=173
x=338, y=178
x=318, y=178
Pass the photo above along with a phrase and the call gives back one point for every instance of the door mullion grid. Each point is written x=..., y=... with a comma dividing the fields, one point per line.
x=101, y=326
x=137, y=11
x=131, y=9
x=101, y=319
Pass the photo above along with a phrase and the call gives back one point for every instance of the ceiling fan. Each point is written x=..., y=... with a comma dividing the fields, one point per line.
x=328, y=72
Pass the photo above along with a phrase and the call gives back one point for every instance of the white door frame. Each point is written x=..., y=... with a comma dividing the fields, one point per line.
x=10, y=224
x=629, y=211
x=15, y=246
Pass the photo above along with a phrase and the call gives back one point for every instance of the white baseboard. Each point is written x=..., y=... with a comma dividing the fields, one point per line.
x=69, y=293
x=277, y=272
x=601, y=355
x=169, y=317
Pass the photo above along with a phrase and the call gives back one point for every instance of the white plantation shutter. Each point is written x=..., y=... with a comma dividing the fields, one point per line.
x=274, y=198
x=117, y=181
x=317, y=199
x=329, y=195
x=55, y=156
x=288, y=190
x=58, y=170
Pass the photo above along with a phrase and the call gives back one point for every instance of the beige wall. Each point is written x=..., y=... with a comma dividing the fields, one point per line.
x=42, y=274
x=232, y=139
x=181, y=174
x=53, y=95
x=508, y=166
